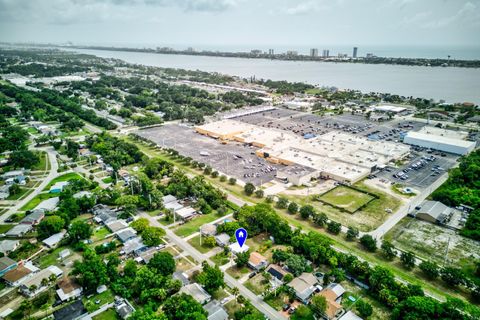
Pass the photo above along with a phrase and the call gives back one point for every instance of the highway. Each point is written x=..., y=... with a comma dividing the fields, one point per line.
x=257, y=301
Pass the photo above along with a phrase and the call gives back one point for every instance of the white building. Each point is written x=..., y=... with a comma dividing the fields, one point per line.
x=440, y=139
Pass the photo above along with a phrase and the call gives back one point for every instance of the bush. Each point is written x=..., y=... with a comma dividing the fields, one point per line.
x=307, y=211
x=249, y=189
x=430, y=269
x=408, y=260
x=282, y=203
x=223, y=178
x=232, y=181
x=259, y=193
x=369, y=243
x=292, y=208
x=215, y=174
x=269, y=199
x=364, y=309
x=352, y=233
x=334, y=227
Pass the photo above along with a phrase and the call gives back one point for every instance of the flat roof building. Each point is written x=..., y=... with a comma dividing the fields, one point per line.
x=440, y=139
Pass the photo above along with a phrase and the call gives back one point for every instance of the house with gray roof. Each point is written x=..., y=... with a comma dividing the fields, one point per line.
x=215, y=311
x=197, y=292
x=126, y=234
x=434, y=212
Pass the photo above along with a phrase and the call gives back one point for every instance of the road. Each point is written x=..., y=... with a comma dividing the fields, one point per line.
x=257, y=301
x=405, y=208
x=52, y=157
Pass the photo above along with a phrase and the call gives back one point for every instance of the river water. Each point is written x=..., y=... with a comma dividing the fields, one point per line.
x=449, y=84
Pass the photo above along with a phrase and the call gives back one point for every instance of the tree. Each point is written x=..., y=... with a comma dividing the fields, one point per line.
x=292, y=208
x=430, y=269
x=140, y=224
x=259, y=193
x=23, y=159
x=388, y=250
x=334, y=227
x=232, y=181
x=163, y=263
x=50, y=225
x=14, y=189
x=223, y=178
x=282, y=203
x=352, y=233
x=249, y=189
x=320, y=219
x=152, y=236
x=369, y=243
x=296, y=264
x=364, y=309
x=452, y=276
x=128, y=203
x=302, y=313
x=211, y=278
x=307, y=211
x=79, y=230
x=242, y=259
x=269, y=199
x=210, y=241
x=183, y=307
x=408, y=260
x=91, y=271
x=318, y=305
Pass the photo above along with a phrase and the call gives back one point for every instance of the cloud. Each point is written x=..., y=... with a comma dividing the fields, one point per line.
x=305, y=8
x=468, y=14
x=78, y=11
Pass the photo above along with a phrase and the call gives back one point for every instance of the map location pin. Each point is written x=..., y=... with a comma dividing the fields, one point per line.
x=241, y=235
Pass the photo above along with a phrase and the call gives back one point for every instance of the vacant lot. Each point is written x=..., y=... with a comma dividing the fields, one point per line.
x=193, y=225
x=430, y=241
x=346, y=198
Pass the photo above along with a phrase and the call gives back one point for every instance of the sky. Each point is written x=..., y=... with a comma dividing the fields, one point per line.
x=242, y=23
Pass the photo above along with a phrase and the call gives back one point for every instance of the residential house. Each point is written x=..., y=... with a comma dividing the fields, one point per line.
x=13, y=174
x=19, y=230
x=59, y=186
x=34, y=285
x=54, y=239
x=81, y=194
x=333, y=293
x=34, y=217
x=182, y=276
x=68, y=289
x=236, y=249
x=197, y=292
x=146, y=255
x=48, y=204
x=6, y=264
x=104, y=214
x=277, y=271
x=7, y=246
x=16, y=276
x=215, y=311
x=222, y=239
x=208, y=230
x=304, y=286
x=173, y=206
x=65, y=253
x=124, y=308
x=126, y=234
x=185, y=213
x=116, y=225
x=4, y=192
x=71, y=311
x=349, y=315
x=169, y=198
x=257, y=261
x=134, y=245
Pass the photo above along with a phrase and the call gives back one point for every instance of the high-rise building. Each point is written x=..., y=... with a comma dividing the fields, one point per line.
x=355, y=51
x=271, y=52
x=313, y=52
x=326, y=53
x=292, y=53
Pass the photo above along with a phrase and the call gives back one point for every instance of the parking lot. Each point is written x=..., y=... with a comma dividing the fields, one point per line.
x=233, y=159
x=421, y=170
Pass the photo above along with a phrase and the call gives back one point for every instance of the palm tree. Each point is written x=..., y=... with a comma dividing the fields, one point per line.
x=44, y=282
x=235, y=292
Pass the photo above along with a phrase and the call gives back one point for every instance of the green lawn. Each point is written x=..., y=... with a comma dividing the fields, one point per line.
x=65, y=177
x=5, y=227
x=107, y=180
x=346, y=198
x=103, y=298
x=50, y=258
x=195, y=242
x=21, y=193
x=256, y=284
x=109, y=314
x=100, y=234
x=237, y=273
x=193, y=225
x=36, y=201
x=220, y=258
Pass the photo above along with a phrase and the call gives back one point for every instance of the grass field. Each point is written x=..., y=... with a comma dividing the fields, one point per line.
x=36, y=201
x=220, y=258
x=103, y=298
x=193, y=225
x=256, y=284
x=195, y=242
x=5, y=227
x=346, y=198
x=43, y=164
x=65, y=177
x=50, y=258
x=23, y=191
x=109, y=314
x=237, y=273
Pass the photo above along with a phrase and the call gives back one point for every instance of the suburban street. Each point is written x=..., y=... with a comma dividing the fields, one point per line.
x=257, y=301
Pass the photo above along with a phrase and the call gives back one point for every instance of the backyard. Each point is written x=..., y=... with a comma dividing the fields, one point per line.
x=346, y=198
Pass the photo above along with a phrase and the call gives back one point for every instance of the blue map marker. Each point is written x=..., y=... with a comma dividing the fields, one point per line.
x=241, y=235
